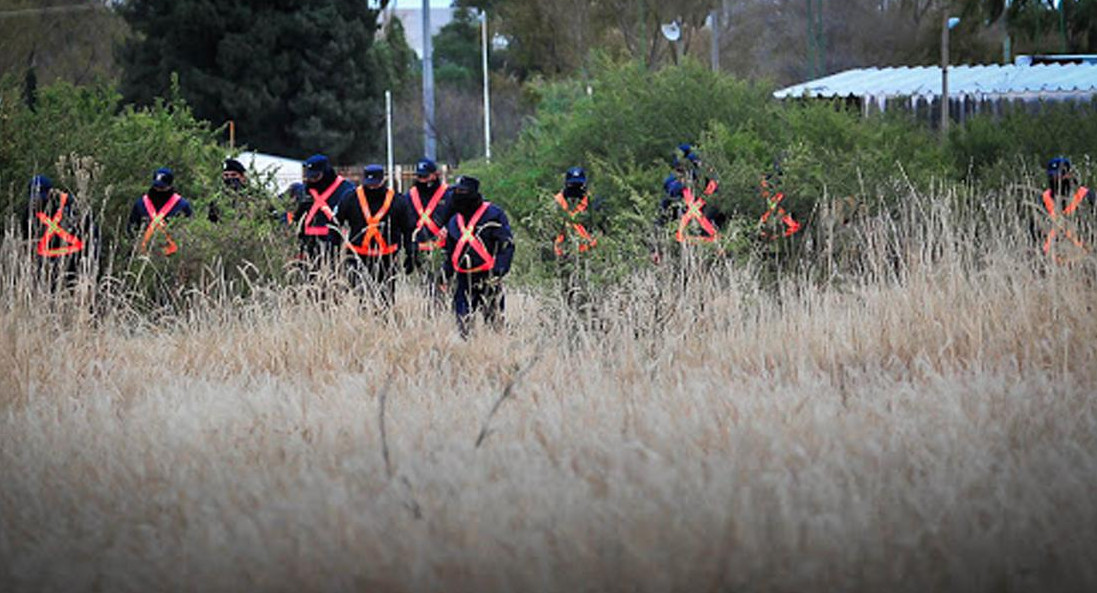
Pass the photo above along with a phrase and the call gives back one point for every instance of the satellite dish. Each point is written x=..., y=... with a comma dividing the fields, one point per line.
x=672, y=31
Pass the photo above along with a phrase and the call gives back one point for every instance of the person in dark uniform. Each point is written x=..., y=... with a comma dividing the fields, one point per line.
x=324, y=190
x=151, y=212
x=479, y=249
x=684, y=215
x=429, y=199
x=580, y=219
x=234, y=181
x=1065, y=238
x=377, y=225
x=64, y=235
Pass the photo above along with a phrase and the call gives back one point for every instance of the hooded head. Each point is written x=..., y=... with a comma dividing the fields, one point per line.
x=466, y=195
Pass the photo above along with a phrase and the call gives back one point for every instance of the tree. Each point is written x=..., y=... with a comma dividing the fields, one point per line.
x=457, y=50
x=61, y=40
x=296, y=77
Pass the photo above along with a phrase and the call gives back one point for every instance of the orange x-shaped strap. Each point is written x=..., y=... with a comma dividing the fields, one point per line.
x=53, y=229
x=587, y=241
x=694, y=212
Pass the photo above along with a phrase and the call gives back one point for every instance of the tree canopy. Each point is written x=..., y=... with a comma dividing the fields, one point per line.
x=295, y=77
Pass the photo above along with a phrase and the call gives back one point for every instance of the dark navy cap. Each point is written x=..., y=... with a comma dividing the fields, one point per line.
x=163, y=178
x=1058, y=166
x=466, y=184
x=373, y=174
x=234, y=165
x=425, y=168
x=575, y=176
x=40, y=186
x=316, y=165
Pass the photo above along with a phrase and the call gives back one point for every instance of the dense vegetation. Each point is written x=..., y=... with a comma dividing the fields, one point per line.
x=623, y=123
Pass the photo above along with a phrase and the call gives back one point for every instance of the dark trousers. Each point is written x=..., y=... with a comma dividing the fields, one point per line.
x=477, y=293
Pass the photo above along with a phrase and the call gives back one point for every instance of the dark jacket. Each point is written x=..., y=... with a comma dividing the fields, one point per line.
x=441, y=214
x=139, y=216
x=344, y=189
x=493, y=229
x=396, y=227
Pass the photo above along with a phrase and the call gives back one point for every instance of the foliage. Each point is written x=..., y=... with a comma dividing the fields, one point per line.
x=105, y=154
x=627, y=128
x=457, y=51
x=296, y=77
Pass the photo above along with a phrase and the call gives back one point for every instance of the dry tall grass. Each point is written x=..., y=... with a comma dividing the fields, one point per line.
x=921, y=416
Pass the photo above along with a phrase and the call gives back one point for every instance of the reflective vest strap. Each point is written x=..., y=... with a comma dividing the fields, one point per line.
x=694, y=211
x=373, y=228
x=426, y=216
x=53, y=229
x=1077, y=200
x=468, y=238
x=791, y=226
x=157, y=220
x=579, y=208
x=588, y=240
x=711, y=187
x=320, y=202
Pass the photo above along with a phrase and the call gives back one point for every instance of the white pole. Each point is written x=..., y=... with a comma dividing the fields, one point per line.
x=715, y=20
x=487, y=92
x=388, y=135
x=428, y=86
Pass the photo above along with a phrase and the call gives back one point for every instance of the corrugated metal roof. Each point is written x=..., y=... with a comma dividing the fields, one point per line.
x=981, y=81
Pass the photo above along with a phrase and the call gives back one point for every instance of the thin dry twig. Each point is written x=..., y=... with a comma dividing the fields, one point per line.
x=508, y=390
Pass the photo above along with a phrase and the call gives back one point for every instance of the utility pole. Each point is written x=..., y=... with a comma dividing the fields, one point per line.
x=388, y=137
x=487, y=89
x=1063, y=24
x=811, y=40
x=428, y=86
x=817, y=57
x=944, y=78
x=820, y=39
x=714, y=19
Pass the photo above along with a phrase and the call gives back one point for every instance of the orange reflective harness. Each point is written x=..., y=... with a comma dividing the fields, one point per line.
x=1049, y=205
x=711, y=187
x=586, y=241
x=320, y=202
x=426, y=217
x=469, y=239
x=694, y=211
x=373, y=242
x=158, y=221
x=53, y=229
x=774, y=203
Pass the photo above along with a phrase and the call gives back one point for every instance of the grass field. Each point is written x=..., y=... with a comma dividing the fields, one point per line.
x=918, y=416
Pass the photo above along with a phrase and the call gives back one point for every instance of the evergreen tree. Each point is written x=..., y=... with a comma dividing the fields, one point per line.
x=296, y=77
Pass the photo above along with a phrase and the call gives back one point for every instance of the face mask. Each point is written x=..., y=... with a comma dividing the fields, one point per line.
x=465, y=203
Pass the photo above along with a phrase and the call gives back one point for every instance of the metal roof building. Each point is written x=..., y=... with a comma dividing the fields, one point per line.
x=969, y=86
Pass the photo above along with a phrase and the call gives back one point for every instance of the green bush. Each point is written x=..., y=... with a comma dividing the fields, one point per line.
x=105, y=153
x=626, y=129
